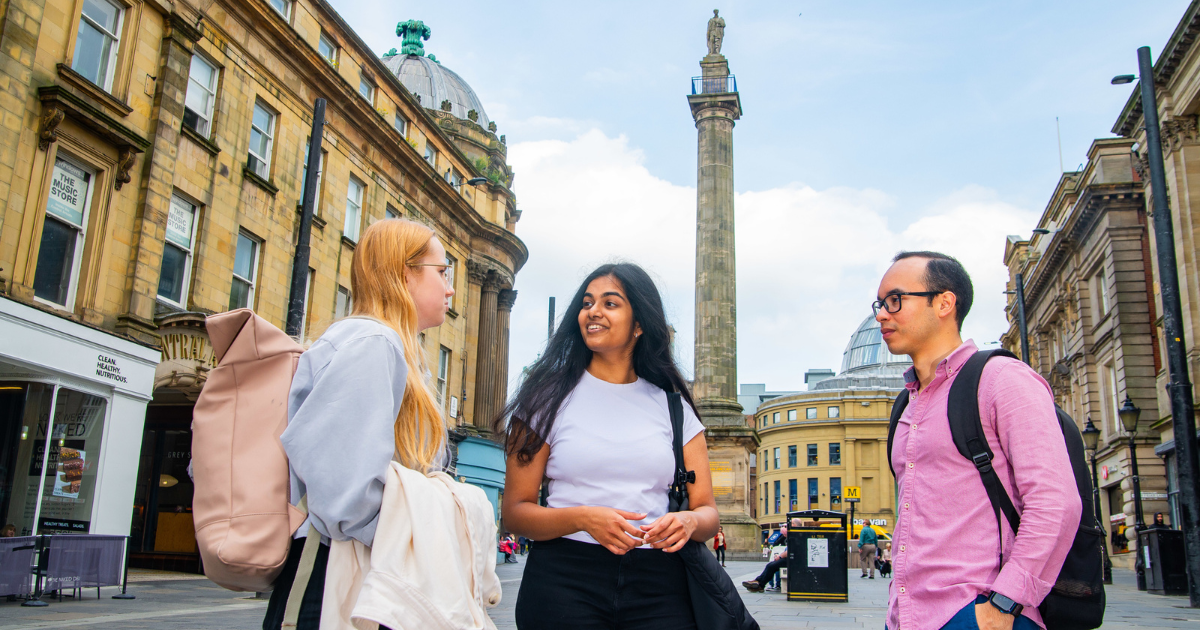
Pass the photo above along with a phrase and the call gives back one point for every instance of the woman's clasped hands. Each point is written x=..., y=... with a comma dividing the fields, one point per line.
x=612, y=528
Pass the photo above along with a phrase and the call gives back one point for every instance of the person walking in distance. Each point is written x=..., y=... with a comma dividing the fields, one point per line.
x=360, y=398
x=867, y=540
x=592, y=417
x=885, y=565
x=996, y=580
x=719, y=544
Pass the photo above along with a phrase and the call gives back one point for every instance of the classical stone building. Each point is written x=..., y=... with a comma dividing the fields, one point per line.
x=1090, y=314
x=1175, y=73
x=817, y=442
x=153, y=157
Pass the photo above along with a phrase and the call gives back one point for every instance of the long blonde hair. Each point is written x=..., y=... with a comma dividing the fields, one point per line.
x=378, y=282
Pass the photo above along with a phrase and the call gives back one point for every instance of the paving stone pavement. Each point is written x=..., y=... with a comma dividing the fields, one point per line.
x=180, y=602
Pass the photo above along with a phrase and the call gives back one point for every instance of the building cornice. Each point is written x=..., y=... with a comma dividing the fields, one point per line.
x=1169, y=61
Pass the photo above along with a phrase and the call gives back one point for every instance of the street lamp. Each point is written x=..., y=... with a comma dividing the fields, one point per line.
x=1091, y=441
x=1129, y=418
x=475, y=181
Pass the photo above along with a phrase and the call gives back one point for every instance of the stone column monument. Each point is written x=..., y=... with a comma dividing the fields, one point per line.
x=715, y=106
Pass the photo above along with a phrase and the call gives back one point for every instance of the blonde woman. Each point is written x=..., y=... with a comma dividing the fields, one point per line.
x=360, y=399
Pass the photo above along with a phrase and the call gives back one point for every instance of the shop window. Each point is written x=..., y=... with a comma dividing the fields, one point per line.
x=812, y=454
x=451, y=267
x=98, y=41
x=201, y=96
x=262, y=134
x=835, y=454
x=835, y=412
x=67, y=204
x=354, y=198
x=810, y=413
x=283, y=7
x=792, y=456
x=60, y=471
x=443, y=373
x=328, y=49
x=320, y=176
x=343, y=305
x=245, y=271
x=177, y=253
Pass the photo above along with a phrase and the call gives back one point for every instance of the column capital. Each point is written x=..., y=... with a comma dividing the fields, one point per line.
x=506, y=299
x=476, y=272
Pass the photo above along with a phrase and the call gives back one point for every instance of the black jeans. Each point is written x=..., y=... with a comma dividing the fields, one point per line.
x=721, y=554
x=310, y=606
x=582, y=586
x=769, y=571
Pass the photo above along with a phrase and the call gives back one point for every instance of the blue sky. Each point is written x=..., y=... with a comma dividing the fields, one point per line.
x=868, y=127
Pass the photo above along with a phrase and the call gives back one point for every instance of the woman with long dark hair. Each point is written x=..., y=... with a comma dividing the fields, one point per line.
x=592, y=419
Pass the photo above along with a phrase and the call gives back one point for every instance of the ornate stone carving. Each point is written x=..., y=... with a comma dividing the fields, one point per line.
x=446, y=105
x=716, y=33
x=48, y=130
x=476, y=272
x=492, y=126
x=473, y=116
x=124, y=164
x=1141, y=165
x=411, y=33
x=506, y=299
x=1178, y=131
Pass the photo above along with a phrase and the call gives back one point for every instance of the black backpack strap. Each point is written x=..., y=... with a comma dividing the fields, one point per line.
x=897, y=411
x=683, y=476
x=966, y=428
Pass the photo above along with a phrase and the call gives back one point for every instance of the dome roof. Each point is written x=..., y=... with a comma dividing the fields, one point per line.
x=435, y=83
x=866, y=363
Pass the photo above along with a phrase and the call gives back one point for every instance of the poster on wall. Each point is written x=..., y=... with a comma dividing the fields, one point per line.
x=68, y=192
x=818, y=553
x=179, y=223
x=69, y=477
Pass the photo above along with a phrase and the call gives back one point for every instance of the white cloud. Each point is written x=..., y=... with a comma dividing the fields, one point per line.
x=809, y=260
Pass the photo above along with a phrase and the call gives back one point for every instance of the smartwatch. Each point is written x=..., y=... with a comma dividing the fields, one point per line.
x=1004, y=604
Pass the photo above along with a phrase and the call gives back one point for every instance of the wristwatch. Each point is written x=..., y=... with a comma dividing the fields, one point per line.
x=1004, y=604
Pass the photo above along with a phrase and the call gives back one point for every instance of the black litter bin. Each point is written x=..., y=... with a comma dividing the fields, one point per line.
x=816, y=559
x=1163, y=556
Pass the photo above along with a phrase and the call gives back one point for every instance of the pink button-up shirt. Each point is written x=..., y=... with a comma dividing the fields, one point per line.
x=945, y=547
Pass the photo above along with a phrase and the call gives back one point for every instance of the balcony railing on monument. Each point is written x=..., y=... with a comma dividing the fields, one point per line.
x=714, y=85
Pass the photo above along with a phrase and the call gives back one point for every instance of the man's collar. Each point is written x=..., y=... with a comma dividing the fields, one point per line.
x=947, y=367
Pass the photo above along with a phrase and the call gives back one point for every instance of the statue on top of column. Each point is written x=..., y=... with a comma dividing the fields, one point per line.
x=716, y=33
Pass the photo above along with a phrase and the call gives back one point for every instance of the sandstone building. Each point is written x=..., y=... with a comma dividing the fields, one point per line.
x=153, y=157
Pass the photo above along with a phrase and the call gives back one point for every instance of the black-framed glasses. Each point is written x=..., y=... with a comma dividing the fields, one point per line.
x=893, y=301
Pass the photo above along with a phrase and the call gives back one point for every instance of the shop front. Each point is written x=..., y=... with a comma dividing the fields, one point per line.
x=72, y=406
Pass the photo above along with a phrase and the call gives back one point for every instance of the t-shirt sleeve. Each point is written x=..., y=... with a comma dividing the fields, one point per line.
x=691, y=424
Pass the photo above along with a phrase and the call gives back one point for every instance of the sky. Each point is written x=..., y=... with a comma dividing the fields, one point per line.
x=868, y=127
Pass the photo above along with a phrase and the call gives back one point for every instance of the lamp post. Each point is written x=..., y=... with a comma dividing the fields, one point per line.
x=1129, y=413
x=1021, y=325
x=1091, y=441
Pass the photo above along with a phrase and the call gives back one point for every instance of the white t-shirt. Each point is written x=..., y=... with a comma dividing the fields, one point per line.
x=611, y=446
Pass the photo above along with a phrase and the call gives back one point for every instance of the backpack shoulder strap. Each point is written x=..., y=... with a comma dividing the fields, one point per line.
x=678, y=490
x=897, y=411
x=966, y=428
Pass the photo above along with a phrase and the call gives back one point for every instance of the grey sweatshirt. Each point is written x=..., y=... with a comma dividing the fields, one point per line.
x=340, y=437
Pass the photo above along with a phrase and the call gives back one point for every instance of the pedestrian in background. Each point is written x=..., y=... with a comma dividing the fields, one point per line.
x=592, y=416
x=769, y=577
x=996, y=579
x=360, y=398
x=885, y=569
x=719, y=544
x=866, y=550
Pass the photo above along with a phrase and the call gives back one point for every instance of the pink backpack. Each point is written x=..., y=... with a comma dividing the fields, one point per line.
x=244, y=521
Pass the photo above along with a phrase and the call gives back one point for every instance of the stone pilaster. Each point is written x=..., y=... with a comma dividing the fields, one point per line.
x=485, y=354
x=505, y=301
x=730, y=440
x=154, y=196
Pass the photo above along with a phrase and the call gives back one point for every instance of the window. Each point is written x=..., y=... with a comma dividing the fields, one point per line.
x=810, y=413
x=98, y=40
x=835, y=412
x=284, y=7
x=201, y=96
x=320, y=176
x=391, y=212
x=776, y=497
x=67, y=206
x=354, y=195
x=793, y=497
x=455, y=178
x=401, y=124
x=764, y=461
x=776, y=457
x=791, y=415
x=1102, y=293
x=177, y=252
x=1113, y=402
x=835, y=454
x=245, y=270
x=328, y=49
x=812, y=454
x=366, y=90
x=835, y=491
x=262, y=130
x=342, y=306
x=813, y=500
x=775, y=418
x=792, y=456
x=443, y=371
x=451, y=266
x=431, y=155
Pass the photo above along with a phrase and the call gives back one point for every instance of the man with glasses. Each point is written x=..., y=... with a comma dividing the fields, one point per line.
x=952, y=567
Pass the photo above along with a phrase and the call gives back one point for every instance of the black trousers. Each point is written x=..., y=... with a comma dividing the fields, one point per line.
x=582, y=586
x=721, y=554
x=310, y=606
x=769, y=571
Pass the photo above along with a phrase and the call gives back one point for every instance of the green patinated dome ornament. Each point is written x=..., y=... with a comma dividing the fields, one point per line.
x=411, y=33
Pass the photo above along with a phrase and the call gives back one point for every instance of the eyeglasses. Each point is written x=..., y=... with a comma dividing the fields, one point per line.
x=892, y=301
x=442, y=268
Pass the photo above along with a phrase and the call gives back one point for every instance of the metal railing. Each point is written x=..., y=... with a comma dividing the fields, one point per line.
x=714, y=85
